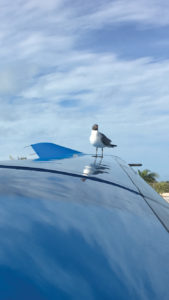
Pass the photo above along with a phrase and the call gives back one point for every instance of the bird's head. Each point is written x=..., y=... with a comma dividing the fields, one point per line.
x=95, y=127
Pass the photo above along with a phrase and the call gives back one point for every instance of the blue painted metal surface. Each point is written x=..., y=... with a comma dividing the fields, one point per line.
x=50, y=151
x=66, y=235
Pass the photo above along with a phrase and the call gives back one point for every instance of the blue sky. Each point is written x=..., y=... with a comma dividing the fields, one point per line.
x=68, y=64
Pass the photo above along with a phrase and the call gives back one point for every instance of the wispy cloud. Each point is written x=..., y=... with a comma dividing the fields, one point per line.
x=145, y=12
x=42, y=69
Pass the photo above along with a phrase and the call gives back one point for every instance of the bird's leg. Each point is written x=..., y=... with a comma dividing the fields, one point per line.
x=102, y=153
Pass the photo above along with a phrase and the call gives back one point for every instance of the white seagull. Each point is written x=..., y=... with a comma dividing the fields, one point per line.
x=99, y=140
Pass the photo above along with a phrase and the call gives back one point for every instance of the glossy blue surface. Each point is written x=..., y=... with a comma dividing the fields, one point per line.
x=73, y=237
x=50, y=151
x=158, y=205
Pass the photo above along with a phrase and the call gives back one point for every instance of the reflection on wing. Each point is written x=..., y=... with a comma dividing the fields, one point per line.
x=95, y=168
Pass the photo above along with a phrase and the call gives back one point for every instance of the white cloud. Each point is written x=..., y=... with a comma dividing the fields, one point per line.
x=154, y=13
x=15, y=77
x=41, y=67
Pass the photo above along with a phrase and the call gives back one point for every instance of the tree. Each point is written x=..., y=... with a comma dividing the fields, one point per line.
x=148, y=176
x=162, y=187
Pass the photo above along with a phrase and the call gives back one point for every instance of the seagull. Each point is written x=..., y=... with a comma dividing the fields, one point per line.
x=99, y=140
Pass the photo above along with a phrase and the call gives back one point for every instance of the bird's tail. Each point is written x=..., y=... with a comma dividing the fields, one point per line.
x=112, y=146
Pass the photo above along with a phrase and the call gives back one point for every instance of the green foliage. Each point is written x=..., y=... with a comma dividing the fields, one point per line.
x=151, y=178
x=148, y=176
x=161, y=187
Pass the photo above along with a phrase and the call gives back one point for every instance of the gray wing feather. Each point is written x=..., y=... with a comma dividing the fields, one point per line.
x=105, y=140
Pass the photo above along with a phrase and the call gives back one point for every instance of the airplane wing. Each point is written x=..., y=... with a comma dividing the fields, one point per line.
x=69, y=235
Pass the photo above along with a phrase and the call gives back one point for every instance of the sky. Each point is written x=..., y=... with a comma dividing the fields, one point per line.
x=67, y=64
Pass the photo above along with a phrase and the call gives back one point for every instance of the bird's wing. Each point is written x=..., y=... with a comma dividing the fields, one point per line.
x=105, y=140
